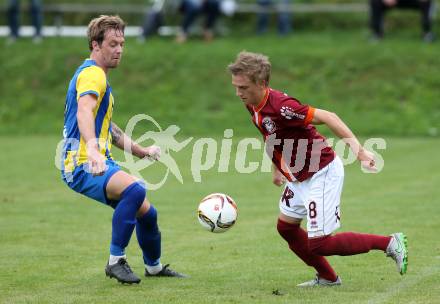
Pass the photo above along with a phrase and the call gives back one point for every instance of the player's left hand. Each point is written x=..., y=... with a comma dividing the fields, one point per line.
x=278, y=178
x=367, y=160
x=152, y=152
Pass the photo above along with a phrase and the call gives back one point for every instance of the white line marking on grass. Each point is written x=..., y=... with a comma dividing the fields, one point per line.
x=403, y=285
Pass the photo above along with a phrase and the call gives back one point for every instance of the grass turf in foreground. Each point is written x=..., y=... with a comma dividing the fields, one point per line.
x=54, y=242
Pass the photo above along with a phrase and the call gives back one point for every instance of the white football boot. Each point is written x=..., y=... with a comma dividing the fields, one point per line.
x=398, y=250
x=317, y=281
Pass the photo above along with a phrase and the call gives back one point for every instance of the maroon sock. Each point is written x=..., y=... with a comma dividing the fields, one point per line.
x=348, y=243
x=298, y=243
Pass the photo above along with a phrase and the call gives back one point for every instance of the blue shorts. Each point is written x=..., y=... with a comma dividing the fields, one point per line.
x=91, y=186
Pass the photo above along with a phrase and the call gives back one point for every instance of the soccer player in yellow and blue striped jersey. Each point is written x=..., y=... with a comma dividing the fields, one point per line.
x=87, y=164
x=89, y=79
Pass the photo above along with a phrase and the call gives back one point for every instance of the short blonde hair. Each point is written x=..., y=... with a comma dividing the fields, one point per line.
x=98, y=27
x=256, y=66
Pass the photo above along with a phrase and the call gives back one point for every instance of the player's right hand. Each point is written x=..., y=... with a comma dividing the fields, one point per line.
x=96, y=162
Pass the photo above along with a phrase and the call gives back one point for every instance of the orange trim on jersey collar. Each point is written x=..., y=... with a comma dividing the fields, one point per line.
x=263, y=102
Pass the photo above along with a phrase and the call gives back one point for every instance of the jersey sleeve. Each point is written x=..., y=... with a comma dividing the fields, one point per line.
x=295, y=114
x=91, y=80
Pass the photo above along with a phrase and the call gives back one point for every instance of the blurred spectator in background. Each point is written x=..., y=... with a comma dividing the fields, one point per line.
x=193, y=8
x=284, y=22
x=13, y=14
x=379, y=7
x=153, y=19
x=155, y=16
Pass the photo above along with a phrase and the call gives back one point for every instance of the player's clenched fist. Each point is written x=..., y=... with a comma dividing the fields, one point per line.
x=278, y=178
x=152, y=152
x=367, y=160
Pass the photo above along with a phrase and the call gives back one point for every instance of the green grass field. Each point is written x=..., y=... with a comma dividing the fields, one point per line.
x=54, y=243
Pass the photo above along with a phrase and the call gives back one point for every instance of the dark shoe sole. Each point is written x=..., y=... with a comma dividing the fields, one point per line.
x=167, y=276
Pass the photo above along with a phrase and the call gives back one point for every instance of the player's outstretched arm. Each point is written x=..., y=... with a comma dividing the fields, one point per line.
x=341, y=130
x=86, y=125
x=124, y=142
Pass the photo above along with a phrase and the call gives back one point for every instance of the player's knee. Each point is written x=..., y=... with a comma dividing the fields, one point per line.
x=152, y=215
x=281, y=229
x=287, y=230
x=316, y=245
x=148, y=221
x=136, y=193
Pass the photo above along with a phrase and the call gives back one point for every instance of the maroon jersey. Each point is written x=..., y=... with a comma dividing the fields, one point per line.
x=294, y=145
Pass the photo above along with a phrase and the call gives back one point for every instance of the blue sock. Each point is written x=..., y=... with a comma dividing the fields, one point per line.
x=148, y=236
x=124, y=217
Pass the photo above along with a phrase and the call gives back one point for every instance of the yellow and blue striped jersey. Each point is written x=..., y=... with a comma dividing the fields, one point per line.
x=88, y=79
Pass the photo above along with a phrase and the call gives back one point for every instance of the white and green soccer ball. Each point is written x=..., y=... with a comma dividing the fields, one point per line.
x=217, y=212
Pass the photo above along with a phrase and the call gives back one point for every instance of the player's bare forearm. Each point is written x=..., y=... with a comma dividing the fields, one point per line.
x=339, y=128
x=86, y=126
x=117, y=136
x=86, y=120
x=123, y=142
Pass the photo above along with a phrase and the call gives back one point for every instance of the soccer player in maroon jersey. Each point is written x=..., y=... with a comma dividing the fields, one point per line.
x=314, y=173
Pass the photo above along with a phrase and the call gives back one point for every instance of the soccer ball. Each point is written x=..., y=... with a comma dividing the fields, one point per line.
x=217, y=212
